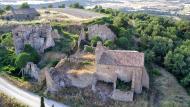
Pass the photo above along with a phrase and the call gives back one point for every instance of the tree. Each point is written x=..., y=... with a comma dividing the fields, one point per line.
x=24, y=5
x=2, y=12
x=8, y=7
x=34, y=54
x=123, y=42
x=120, y=20
x=22, y=59
x=42, y=102
x=76, y=5
x=94, y=40
x=62, y=6
x=110, y=44
x=50, y=6
x=6, y=40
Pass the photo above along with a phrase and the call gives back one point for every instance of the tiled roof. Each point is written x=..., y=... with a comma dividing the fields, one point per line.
x=25, y=11
x=122, y=58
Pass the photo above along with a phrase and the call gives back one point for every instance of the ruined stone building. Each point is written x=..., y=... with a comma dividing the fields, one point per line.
x=31, y=70
x=40, y=37
x=120, y=64
x=102, y=31
x=21, y=14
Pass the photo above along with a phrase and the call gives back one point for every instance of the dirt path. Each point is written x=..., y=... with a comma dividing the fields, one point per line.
x=168, y=92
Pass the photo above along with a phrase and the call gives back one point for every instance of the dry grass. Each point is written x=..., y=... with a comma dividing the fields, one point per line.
x=6, y=101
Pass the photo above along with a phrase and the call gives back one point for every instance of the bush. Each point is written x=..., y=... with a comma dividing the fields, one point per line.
x=110, y=44
x=6, y=40
x=50, y=6
x=24, y=5
x=155, y=72
x=76, y=5
x=123, y=42
x=95, y=40
x=22, y=59
x=62, y=6
x=35, y=56
x=149, y=56
x=88, y=48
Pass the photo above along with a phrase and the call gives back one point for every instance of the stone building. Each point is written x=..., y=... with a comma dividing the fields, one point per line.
x=21, y=14
x=102, y=31
x=40, y=37
x=127, y=66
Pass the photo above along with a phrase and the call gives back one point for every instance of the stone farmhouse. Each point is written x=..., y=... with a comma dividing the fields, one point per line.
x=21, y=14
x=124, y=65
x=40, y=37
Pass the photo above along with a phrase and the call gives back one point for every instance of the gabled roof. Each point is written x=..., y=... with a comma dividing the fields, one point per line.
x=122, y=58
x=25, y=11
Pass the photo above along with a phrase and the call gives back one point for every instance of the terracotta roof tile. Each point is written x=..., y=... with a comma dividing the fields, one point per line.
x=122, y=58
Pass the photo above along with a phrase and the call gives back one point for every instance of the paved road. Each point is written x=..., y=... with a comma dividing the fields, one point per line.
x=25, y=97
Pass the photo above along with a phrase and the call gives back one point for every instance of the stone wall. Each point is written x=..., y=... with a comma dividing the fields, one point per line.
x=102, y=31
x=39, y=37
x=110, y=73
x=122, y=96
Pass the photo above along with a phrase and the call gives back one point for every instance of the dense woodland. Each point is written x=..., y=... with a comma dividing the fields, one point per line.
x=165, y=41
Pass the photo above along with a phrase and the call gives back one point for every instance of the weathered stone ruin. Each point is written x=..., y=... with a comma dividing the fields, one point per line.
x=31, y=70
x=124, y=65
x=65, y=74
x=21, y=14
x=39, y=37
x=102, y=31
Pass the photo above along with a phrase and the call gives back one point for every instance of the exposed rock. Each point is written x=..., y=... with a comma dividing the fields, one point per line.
x=39, y=37
x=51, y=85
x=102, y=31
x=31, y=70
x=55, y=34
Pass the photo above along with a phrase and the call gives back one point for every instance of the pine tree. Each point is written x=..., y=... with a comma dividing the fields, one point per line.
x=42, y=102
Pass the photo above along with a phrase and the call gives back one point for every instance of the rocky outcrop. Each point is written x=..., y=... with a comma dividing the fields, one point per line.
x=51, y=85
x=31, y=70
x=39, y=37
x=102, y=31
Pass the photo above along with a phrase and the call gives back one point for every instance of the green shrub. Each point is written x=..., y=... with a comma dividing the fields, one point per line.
x=76, y=5
x=8, y=69
x=123, y=42
x=149, y=56
x=124, y=86
x=34, y=54
x=88, y=48
x=22, y=59
x=155, y=72
x=110, y=44
x=24, y=5
x=6, y=40
x=94, y=40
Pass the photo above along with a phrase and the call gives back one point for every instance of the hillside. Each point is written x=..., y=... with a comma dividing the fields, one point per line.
x=61, y=49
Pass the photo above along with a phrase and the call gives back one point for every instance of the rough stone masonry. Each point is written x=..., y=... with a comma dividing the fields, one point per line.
x=40, y=37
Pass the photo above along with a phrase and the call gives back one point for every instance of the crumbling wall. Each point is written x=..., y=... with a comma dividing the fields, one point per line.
x=39, y=37
x=31, y=70
x=102, y=31
x=122, y=96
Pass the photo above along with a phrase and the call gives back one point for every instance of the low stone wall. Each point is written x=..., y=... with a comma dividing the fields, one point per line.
x=122, y=96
